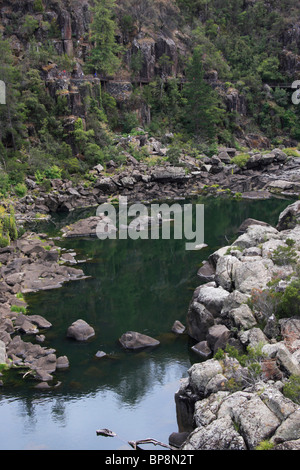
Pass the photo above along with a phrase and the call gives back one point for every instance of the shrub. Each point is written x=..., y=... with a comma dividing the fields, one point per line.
x=3, y=242
x=38, y=6
x=174, y=154
x=8, y=227
x=285, y=255
x=20, y=189
x=54, y=172
x=240, y=160
x=289, y=304
x=18, y=309
x=292, y=389
x=29, y=26
x=265, y=445
x=4, y=183
x=264, y=302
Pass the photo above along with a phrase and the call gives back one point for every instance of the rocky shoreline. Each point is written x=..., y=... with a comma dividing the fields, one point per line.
x=30, y=264
x=226, y=403
x=264, y=174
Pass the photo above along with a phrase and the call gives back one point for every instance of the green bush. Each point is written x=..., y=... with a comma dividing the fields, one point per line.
x=18, y=309
x=4, y=183
x=240, y=160
x=292, y=389
x=8, y=227
x=3, y=242
x=265, y=445
x=289, y=304
x=284, y=255
x=20, y=189
x=54, y=172
x=38, y=6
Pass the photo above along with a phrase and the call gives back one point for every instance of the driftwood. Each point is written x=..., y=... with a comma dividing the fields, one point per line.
x=134, y=444
x=106, y=433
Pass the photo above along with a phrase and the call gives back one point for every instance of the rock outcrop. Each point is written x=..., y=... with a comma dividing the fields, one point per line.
x=233, y=400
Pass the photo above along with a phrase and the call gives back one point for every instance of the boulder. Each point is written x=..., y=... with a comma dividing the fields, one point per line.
x=255, y=235
x=252, y=274
x=106, y=185
x=169, y=174
x=62, y=362
x=134, y=340
x=201, y=373
x=89, y=227
x=178, y=327
x=3, y=355
x=242, y=317
x=202, y=349
x=199, y=320
x=256, y=422
x=288, y=218
x=221, y=434
x=80, y=330
x=224, y=271
x=289, y=430
x=207, y=272
x=248, y=222
x=217, y=337
x=253, y=337
x=212, y=298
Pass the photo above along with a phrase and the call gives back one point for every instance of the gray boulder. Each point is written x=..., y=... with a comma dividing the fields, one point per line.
x=221, y=434
x=199, y=320
x=80, y=330
x=212, y=298
x=134, y=340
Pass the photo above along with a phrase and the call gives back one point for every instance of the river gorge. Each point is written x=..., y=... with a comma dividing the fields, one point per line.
x=139, y=285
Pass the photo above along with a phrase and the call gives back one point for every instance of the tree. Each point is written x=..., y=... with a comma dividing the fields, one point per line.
x=201, y=109
x=104, y=56
x=12, y=114
x=142, y=11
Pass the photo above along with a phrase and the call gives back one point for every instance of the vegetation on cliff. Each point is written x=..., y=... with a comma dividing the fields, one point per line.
x=209, y=72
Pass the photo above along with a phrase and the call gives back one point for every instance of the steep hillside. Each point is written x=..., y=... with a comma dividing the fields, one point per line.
x=79, y=72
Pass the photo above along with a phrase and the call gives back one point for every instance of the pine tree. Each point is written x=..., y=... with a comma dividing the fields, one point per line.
x=201, y=109
x=104, y=56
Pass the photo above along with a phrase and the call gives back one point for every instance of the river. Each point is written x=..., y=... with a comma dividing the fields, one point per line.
x=141, y=285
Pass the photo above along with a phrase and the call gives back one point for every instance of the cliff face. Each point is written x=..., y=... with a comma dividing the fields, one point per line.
x=155, y=47
x=65, y=27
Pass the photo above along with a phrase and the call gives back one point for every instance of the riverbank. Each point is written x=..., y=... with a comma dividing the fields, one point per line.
x=254, y=174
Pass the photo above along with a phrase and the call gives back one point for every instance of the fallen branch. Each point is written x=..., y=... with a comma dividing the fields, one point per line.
x=106, y=433
x=135, y=444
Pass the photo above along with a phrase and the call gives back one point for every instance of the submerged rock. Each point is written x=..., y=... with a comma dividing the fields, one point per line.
x=89, y=227
x=135, y=340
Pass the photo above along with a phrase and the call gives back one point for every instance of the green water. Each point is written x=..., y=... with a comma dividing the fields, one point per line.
x=141, y=285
